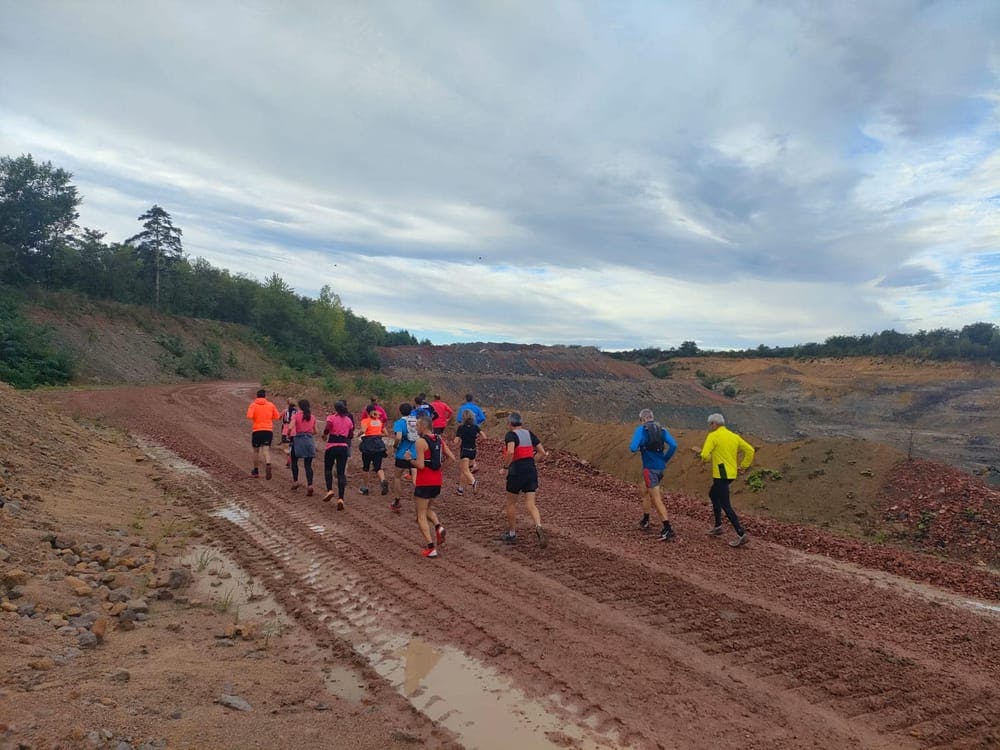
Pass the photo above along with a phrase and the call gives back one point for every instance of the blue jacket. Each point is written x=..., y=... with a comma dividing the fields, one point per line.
x=474, y=408
x=653, y=460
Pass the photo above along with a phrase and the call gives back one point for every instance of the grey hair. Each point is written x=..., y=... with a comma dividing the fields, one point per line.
x=646, y=415
x=514, y=418
x=716, y=419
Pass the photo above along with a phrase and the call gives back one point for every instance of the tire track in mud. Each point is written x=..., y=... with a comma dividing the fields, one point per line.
x=635, y=647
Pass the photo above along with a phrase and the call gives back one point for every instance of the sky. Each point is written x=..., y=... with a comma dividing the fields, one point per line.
x=620, y=174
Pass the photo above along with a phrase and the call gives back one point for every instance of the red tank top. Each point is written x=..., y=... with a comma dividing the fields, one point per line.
x=428, y=477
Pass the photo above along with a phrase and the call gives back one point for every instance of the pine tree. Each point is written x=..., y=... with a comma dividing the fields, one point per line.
x=159, y=245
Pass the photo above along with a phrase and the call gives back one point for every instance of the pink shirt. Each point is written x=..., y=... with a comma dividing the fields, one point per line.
x=339, y=429
x=303, y=426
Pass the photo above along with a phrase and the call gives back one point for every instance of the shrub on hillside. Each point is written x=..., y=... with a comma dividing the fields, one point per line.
x=27, y=359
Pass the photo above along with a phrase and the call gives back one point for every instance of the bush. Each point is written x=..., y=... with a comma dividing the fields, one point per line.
x=27, y=359
x=662, y=370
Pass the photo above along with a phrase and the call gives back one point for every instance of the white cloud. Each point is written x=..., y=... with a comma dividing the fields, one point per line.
x=785, y=158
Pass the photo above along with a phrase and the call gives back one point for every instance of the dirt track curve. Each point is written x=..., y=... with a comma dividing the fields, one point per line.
x=614, y=638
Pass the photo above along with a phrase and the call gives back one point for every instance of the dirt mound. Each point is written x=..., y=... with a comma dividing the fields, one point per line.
x=943, y=510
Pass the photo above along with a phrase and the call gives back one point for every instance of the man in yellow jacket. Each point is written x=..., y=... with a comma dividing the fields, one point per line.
x=722, y=449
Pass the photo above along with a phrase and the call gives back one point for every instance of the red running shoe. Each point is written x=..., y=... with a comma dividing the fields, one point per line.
x=440, y=534
x=429, y=552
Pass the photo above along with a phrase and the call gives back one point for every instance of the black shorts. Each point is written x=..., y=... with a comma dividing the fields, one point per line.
x=403, y=463
x=427, y=492
x=469, y=453
x=260, y=438
x=522, y=481
x=372, y=461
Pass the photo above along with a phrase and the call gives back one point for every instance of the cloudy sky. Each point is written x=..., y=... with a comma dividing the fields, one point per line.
x=611, y=173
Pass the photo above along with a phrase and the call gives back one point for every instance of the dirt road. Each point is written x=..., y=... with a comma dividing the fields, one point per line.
x=606, y=638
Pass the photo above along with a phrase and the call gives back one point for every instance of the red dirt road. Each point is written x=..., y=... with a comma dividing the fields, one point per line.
x=623, y=640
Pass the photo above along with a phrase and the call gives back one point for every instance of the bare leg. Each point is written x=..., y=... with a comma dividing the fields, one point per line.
x=657, y=496
x=423, y=505
x=510, y=506
x=267, y=454
x=646, y=505
x=466, y=473
x=529, y=500
x=256, y=458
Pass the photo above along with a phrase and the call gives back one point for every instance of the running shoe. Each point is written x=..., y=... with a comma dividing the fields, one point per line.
x=267, y=471
x=385, y=486
x=740, y=540
x=395, y=507
x=715, y=531
x=459, y=490
x=509, y=537
x=667, y=534
x=644, y=523
x=255, y=474
x=439, y=530
x=363, y=490
x=295, y=486
x=328, y=496
x=429, y=552
x=543, y=538
x=340, y=503
x=475, y=486
x=309, y=491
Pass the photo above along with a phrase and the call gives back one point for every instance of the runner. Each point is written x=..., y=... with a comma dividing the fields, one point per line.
x=722, y=449
x=286, y=424
x=421, y=408
x=405, y=430
x=471, y=405
x=520, y=447
x=651, y=440
x=427, y=456
x=381, y=412
x=303, y=446
x=444, y=414
x=466, y=436
x=338, y=432
x=373, y=430
x=262, y=414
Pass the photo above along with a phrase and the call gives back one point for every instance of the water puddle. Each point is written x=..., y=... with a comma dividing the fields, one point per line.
x=480, y=705
x=984, y=606
x=346, y=683
x=219, y=580
x=168, y=458
x=234, y=514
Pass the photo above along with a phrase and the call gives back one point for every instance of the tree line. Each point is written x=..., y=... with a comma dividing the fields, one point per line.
x=976, y=341
x=43, y=246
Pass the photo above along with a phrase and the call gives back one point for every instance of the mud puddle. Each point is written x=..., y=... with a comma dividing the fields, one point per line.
x=886, y=580
x=168, y=459
x=483, y=707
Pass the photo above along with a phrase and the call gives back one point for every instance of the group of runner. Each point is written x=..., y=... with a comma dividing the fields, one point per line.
x=419, y=452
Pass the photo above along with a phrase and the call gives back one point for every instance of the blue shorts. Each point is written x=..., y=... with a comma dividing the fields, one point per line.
x=652, y=478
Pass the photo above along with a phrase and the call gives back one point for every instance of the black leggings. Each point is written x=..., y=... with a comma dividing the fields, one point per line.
x=720, y=502
x=307, y=464
x=337, y=454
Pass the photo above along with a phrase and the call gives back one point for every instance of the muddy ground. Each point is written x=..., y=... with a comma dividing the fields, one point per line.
x=607, y=637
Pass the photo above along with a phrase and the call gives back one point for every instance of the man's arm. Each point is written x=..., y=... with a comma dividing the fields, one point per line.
x=636, y=440
x=420, y=447
x=707, y=448
x=671, y=444
x=748, y=453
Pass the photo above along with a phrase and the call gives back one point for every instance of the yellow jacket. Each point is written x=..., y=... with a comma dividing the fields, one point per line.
x=721, y=448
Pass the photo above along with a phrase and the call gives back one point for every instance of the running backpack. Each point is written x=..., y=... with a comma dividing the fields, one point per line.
x=434, y=446
x=653, y=438
x=411, y=427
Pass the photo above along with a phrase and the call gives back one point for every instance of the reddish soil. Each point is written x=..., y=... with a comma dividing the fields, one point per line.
x=687, y=644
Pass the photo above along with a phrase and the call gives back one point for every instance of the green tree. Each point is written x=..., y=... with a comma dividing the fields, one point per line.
x=158, y=246
x=37, y=213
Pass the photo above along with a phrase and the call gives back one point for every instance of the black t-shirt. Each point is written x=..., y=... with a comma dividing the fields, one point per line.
x=468, y=433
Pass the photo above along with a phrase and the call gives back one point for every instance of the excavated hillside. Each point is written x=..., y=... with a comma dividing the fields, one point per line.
x=578, y=381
